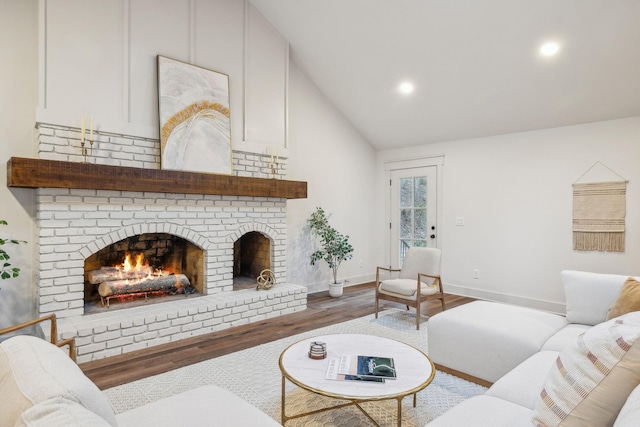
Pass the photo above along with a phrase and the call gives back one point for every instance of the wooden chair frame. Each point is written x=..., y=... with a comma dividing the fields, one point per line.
x=71, y=342
x=410, y=302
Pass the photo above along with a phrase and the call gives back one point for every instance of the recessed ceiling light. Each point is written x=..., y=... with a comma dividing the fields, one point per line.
x=406, y=87
x=549, y=49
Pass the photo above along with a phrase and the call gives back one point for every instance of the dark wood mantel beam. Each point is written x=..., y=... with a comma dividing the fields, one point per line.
x=38, y=173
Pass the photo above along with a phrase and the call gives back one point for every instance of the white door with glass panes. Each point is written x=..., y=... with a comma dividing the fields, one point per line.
x=413, y=211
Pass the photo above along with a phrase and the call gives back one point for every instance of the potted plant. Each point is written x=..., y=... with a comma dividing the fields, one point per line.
x=6, y=270
x=335, y=247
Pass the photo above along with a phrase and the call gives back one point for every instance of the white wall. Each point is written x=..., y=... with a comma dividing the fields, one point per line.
x=18, y=89
x=515, y=194
x=99, y=58
x=339, y=165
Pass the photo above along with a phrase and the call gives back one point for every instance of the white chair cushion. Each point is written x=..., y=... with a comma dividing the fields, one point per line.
x=421, y=260
x=406, y=288
x=590, y=295
x=34, y=371
x=523, y=383
x=592, y=379
x=200, y=407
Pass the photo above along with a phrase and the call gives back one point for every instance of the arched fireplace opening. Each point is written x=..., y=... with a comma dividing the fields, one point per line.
x=251, y=255
x=149, y=267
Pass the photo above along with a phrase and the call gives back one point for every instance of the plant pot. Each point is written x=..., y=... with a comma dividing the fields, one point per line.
x=335, y=289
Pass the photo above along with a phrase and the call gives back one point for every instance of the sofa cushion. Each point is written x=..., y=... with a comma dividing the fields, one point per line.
x=592, y=378
x=628, y=300
x=590, y=295
x=34, y=371
x=564, y=337
x=488, y=339
x=200, y=407
x=629, y=415
x=484, y=411
x=522, y=384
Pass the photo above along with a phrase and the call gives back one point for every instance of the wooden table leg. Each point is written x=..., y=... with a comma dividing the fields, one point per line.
x=399, y=411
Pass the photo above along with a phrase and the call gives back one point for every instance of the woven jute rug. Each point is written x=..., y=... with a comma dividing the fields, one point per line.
x=253, y=374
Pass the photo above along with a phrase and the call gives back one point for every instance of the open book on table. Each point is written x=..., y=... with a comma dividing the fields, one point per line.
x=366, y=368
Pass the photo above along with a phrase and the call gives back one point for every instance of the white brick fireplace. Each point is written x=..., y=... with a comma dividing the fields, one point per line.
x=76, y=223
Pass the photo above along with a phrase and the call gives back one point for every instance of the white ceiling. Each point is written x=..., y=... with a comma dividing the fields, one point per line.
x=474, y=63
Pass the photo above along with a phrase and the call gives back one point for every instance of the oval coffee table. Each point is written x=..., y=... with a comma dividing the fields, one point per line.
x=414, y=371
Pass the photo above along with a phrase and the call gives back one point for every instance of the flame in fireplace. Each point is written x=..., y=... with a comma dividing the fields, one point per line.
x=140, y=262
x=139, y=267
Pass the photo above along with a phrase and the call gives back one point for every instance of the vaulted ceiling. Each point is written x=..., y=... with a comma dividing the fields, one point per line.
x=475, y=64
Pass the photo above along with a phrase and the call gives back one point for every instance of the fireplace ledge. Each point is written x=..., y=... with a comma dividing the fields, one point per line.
x=40, y=173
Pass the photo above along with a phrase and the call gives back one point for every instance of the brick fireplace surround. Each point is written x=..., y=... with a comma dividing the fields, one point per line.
x=75, y=223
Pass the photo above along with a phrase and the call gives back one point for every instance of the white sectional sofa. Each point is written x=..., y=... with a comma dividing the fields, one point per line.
x=538, y=361
x=41, y=386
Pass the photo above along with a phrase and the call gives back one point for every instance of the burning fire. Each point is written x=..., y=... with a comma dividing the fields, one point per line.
x=139, y=267
x=140, y=262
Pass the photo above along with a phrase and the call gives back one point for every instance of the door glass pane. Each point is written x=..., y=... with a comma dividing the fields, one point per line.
x=420, y=192
x=420, y=224
x=404, y=246
x=406, y=224
x=406, y=193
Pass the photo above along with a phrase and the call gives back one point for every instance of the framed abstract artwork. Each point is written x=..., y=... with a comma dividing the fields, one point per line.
x=195, y=131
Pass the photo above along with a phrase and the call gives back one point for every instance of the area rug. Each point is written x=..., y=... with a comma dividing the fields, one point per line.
x=253, y=374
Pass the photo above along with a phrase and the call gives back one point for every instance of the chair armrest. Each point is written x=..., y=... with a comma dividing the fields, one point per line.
x=435, y=279
x=54, y=332
x=71, y=342
x=388, y=269
x=384, y=269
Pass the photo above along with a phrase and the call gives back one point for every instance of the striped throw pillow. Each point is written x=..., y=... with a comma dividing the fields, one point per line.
x=593, y=377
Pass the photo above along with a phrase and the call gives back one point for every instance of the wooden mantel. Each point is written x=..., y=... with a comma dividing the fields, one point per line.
x=38, y=173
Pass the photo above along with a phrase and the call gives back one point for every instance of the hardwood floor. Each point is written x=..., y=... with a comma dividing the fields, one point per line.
x=322, y=310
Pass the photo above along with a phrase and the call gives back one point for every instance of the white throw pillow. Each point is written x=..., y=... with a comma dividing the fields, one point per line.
x=590, y=295
x=592, y=377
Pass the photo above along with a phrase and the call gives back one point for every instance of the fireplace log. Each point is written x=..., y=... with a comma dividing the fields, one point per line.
x=106, y=274
x=159, y=283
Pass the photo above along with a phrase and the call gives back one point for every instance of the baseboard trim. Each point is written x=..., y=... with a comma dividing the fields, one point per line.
x=350, y=281
x=550, y=306
x=464, y=376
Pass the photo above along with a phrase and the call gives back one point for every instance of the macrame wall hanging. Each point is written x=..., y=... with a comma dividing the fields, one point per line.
x=599, y=210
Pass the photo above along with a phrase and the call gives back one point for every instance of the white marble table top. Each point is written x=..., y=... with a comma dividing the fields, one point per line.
x=414, y=369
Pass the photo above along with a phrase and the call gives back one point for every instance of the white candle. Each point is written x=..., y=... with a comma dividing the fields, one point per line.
x=271, y=150
x=84, y=126
x=277, y=158
x=91, y=130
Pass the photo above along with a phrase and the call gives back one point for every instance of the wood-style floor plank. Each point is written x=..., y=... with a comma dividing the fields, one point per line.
x=322, y=310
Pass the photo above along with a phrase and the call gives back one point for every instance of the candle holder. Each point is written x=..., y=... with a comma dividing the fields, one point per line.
x=83, y=149
x=318, y=350
x=274, y=166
